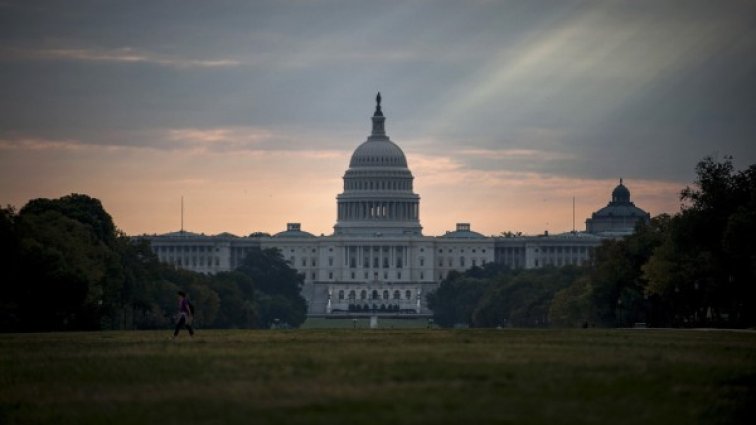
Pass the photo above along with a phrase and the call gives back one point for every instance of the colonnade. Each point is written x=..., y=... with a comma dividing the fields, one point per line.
x=379, y=210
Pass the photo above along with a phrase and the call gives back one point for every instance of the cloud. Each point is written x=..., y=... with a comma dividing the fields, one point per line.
x=36, y=144
x=192, y=142
x=503, y=108
x=118, y=55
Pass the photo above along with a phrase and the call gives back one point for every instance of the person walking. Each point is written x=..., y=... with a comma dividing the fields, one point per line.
x=184, y=315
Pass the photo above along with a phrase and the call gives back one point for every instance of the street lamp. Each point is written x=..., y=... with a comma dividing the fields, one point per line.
x=619, y=313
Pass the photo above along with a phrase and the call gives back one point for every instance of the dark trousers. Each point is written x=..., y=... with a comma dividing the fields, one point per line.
x=182, y=323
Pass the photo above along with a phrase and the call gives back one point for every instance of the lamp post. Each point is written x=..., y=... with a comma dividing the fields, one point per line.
x=676, y=305
x=619, y=313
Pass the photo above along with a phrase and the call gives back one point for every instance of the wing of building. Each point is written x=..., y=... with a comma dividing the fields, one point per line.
x=377, y=261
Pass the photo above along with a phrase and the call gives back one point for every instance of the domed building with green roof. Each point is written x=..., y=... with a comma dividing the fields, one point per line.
x=619, y=217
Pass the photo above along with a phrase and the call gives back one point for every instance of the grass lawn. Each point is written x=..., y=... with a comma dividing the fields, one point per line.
x=384, y=376
x=364, y=322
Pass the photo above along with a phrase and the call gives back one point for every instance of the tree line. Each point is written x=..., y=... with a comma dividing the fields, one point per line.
x=66, y=266
x=694, y=268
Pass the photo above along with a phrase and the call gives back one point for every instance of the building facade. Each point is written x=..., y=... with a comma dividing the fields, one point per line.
x=377, y=261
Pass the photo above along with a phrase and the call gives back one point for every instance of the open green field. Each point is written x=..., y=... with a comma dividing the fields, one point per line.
x=399, y=376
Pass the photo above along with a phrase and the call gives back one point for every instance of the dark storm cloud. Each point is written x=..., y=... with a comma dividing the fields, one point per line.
x=588, y=89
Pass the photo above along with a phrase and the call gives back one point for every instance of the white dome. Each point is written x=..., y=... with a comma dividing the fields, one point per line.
x=378, y=197
x=378, y=153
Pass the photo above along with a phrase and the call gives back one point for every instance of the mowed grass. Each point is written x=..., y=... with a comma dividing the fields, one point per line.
x=364, y=322
x=385, y=376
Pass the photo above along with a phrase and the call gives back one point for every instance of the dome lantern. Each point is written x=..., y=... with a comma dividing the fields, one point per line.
x=379, y=132
x=621, y=194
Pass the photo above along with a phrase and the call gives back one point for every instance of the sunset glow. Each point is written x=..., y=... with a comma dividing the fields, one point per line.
x=250, y=111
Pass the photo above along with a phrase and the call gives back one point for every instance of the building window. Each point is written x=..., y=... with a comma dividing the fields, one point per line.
x=474, y=262
x=352, y=295
x=385, y=295
x=330, y=275
x=352, y=275
x=363, y=294
x=422, y=261
x=421, y=276
x=375, y=294
x=304, y=262
x=399, y=275
x=313, y=262
x=397, y=295
x=408, y=294
x=385, y=275
x=313, y=275
x=341, y=294
x=330, y=261
x=399, y=263
x=461, y=261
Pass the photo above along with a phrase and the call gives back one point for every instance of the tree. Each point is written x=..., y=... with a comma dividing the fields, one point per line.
x=81, y=208
x=456, y=299
x=65, y=265
x=706, y=268
x=278, y=287
x=10, y=308
x=237, y=300
x=573, y=306
x=523, y=299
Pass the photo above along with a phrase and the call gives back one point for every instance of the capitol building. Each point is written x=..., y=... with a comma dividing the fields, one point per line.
x=378, y=261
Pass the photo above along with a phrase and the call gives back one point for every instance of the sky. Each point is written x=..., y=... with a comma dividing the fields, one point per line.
x=250, y=110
